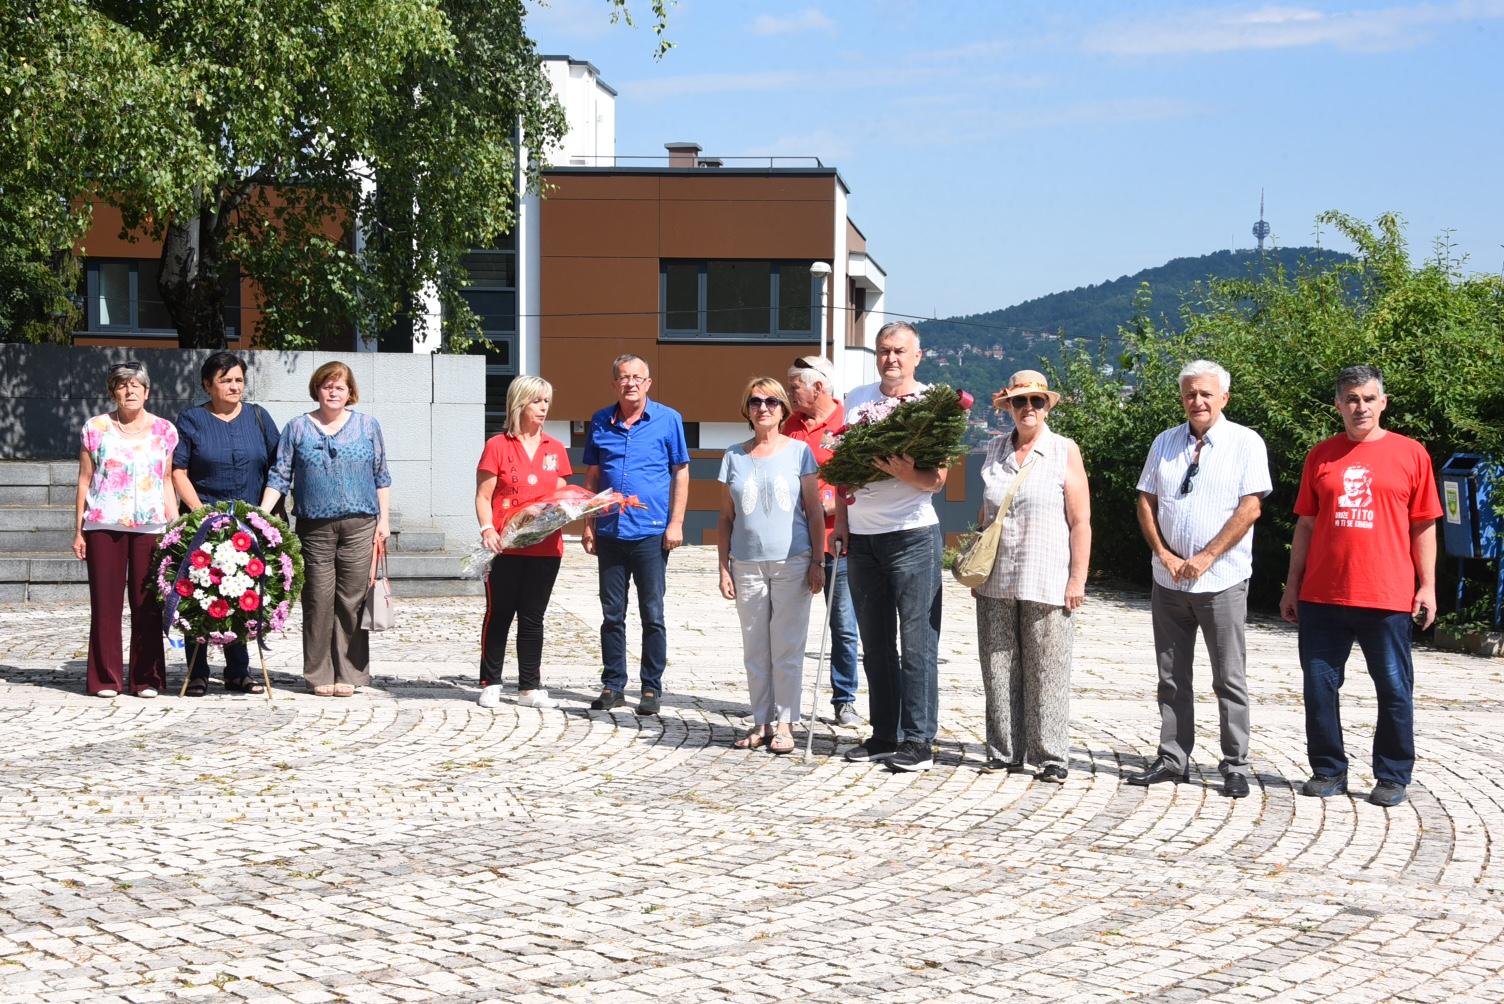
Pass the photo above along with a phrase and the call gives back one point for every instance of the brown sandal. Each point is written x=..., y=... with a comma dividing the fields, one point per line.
x=750, y=741
x=344, y=690
x=782, y=743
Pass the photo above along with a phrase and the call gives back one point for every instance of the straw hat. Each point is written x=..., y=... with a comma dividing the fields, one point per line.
x=1023, y=384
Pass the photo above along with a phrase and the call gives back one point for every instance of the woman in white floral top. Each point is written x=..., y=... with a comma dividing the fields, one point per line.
x=125, y=500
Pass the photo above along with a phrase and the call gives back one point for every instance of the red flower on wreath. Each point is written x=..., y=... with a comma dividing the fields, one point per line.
x=216, y=576
x=184, y=587
x=219, y=608
x=255, y=567
x=242, y=541
x=249, y=601
x=199, y=559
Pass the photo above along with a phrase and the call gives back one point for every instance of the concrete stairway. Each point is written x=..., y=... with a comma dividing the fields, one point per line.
x=36, y=539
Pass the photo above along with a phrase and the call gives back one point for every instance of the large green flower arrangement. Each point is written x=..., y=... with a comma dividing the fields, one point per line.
x=929, y=427
x=227, y=572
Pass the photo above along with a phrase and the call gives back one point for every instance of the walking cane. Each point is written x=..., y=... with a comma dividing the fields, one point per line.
x=814, y=699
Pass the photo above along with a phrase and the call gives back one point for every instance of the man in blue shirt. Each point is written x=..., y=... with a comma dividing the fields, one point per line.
x=636, y=446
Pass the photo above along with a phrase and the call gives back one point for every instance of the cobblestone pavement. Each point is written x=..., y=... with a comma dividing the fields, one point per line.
x=408, y=845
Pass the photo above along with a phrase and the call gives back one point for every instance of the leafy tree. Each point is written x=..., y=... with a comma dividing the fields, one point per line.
x=262, y=132
x=1437, y=335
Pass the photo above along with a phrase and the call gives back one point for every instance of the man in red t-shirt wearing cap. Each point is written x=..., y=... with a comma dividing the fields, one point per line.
x=1362, y=565
x=818, y=413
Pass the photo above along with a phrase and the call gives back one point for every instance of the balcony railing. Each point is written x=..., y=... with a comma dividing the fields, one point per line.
x=700, y=161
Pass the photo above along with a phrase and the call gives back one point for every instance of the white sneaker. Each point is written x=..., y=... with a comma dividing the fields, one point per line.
x=490, y=697
x=106, y=693
x=537, y=699
x=148, y=693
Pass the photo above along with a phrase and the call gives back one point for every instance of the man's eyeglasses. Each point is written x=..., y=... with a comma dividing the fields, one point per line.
x=754, y=403
x=632, y=381
x=1035, y=401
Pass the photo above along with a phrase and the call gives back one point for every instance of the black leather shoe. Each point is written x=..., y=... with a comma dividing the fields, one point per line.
x=1325, y=785
x=649, y=703
x=1387, y=793
x=1235, y=785
x=1160, y=770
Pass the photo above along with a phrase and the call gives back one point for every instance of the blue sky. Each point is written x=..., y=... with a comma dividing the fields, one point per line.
x=998, y=151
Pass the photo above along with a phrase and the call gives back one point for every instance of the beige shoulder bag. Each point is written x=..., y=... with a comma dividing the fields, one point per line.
x=974, y=565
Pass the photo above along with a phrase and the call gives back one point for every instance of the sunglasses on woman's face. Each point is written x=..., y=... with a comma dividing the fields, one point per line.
x=1035, y=401
x=754, y=403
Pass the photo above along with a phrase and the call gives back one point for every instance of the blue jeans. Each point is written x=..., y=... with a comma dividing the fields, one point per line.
x=644, y=562
x=1327, y=633
x=843, y=678
x=237, y=661
x=895, y=588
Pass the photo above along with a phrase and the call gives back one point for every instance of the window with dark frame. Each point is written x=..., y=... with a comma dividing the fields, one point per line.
x=737, y=299
x=492, y=294
x=121, y=298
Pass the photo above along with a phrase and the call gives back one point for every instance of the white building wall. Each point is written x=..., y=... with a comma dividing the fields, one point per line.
x=590, y=114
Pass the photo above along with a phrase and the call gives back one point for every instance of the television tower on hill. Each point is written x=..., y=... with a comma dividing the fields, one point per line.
x=1261, y=228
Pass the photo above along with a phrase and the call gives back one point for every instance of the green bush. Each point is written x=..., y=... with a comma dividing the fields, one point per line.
x=1437, y=334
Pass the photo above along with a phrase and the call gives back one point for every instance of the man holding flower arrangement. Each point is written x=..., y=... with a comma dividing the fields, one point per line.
x=891, y=534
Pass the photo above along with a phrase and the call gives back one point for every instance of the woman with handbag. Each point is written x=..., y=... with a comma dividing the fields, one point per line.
x=124, y=502
x=766, y=538
x=334, y=460
x=225, y=447
x=1035, y=483
x=516, y=467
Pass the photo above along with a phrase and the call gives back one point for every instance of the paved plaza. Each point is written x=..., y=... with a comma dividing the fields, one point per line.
x=406, y=845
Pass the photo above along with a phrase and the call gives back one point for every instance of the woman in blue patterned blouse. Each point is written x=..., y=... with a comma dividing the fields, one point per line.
x=224, y=449
x=335, y=461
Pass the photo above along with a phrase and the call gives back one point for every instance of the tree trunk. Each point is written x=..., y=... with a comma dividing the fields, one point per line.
x=189, y=281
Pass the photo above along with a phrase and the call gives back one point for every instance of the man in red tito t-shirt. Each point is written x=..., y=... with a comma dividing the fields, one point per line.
x=1362, y=565
x=816, y=413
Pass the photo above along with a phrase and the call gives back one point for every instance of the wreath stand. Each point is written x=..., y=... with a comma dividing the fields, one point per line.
x=266, y=680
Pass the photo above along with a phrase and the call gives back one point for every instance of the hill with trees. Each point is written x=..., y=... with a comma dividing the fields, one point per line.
x=980, y=350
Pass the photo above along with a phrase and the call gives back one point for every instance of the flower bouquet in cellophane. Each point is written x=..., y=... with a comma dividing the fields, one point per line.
x=928, y=426
x=535, y=520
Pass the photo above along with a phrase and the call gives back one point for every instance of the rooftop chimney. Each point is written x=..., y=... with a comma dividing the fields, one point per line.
x=682, y=154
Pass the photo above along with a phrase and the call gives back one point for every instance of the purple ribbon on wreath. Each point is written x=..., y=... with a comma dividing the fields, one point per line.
x=215, y=522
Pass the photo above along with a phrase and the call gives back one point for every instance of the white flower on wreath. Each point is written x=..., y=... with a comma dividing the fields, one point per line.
x=235, y=584
x=224, y=554
x=199, y=576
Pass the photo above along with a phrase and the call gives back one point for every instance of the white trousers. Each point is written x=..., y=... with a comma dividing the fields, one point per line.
x=772, y=600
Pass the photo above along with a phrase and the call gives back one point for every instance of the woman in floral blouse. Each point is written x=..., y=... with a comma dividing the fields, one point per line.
x=125, y=500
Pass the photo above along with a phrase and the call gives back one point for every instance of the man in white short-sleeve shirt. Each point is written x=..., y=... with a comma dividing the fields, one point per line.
x=1199, y=495
x=892, y=538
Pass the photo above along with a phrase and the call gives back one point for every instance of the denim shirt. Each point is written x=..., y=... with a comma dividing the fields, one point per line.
x=333, y=476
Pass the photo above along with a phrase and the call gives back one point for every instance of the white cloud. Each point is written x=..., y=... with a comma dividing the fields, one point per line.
x=1277, y=26
x=809, y=19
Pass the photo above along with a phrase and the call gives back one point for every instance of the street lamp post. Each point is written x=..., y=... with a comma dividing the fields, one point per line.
x=819, y=272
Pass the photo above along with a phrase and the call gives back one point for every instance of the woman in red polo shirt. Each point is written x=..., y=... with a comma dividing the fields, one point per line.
x=515, y=468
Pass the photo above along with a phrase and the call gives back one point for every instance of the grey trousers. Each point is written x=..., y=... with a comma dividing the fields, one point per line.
x=1221, y=617
x=337, y=573
x=772, y=601
x=1026, y=674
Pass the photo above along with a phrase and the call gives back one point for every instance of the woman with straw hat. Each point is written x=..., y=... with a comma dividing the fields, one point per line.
x=1024, y=627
